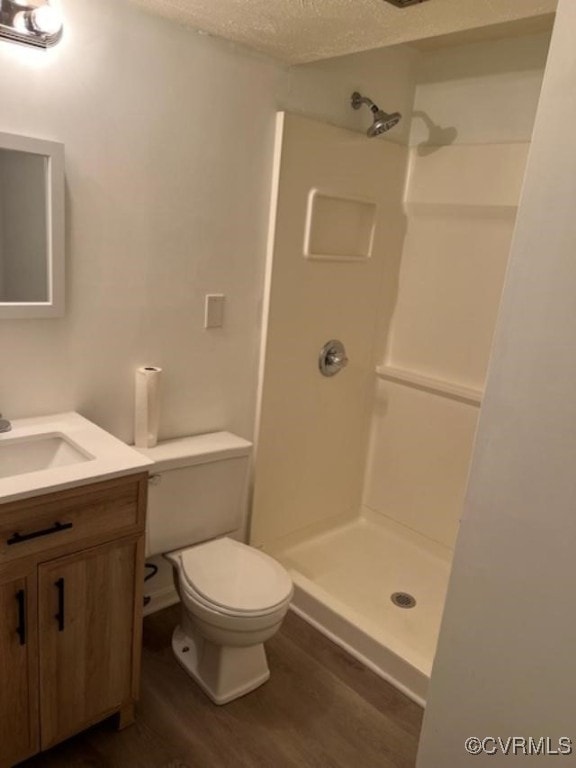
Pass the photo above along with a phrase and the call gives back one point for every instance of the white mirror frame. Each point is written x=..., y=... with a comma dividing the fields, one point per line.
x=53, y=151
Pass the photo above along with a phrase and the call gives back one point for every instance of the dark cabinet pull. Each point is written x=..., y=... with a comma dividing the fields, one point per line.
x=18, y=538
x=61, y=606
x=21, y=628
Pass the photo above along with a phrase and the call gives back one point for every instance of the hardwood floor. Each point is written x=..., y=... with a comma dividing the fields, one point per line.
x=320, y=709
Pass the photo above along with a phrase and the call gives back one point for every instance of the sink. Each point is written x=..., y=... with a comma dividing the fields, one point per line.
x=50, y=453
x=31, y=454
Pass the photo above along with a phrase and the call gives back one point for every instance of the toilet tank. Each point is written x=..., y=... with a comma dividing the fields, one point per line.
x=198, y=490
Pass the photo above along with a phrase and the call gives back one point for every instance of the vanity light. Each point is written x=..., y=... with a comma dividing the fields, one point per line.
x=33, y=22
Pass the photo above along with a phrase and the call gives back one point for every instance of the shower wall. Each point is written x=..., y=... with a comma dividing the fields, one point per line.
x=395, y=431
x=473, y=116
x=337, y=227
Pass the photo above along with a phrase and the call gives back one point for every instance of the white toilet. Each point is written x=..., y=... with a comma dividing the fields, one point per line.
x=233, y=597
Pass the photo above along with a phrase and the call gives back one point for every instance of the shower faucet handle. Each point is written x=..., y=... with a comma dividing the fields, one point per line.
x=339, y=359
x=332, y=358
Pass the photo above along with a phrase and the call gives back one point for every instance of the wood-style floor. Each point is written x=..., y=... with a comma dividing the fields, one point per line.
x=320, y=709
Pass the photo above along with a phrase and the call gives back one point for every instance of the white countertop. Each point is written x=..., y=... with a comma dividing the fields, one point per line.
x=105, y=456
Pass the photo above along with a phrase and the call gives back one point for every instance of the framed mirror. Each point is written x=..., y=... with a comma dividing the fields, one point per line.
x=31, y=227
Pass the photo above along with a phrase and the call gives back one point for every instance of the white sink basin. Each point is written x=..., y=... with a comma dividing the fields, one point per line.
x=32, y=454
x=51, y=453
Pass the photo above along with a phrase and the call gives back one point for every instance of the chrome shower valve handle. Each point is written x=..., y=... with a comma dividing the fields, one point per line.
x=332, y=358
x=337, y=359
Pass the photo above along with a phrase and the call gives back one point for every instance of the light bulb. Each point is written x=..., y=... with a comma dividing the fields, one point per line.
x=46, y=20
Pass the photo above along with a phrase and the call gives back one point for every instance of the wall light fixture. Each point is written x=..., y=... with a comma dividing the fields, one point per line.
x=32, y=22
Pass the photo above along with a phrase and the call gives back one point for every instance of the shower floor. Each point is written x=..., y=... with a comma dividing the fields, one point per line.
x=344, y=578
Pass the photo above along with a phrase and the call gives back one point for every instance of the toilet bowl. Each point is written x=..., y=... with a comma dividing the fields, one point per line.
x=233, y=599
x=233, y=596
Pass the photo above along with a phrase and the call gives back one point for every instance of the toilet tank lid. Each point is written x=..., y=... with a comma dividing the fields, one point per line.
x=196, y=449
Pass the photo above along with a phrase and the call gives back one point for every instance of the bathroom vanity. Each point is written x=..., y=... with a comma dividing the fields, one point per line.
x=71, y=575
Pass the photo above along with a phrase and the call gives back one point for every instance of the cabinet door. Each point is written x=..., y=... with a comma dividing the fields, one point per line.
x=86, y=631
x=18, y=683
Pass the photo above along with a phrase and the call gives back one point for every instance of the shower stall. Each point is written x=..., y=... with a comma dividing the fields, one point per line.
x=399, y=252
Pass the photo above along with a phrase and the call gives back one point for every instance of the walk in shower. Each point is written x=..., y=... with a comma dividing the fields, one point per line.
x=399, y=252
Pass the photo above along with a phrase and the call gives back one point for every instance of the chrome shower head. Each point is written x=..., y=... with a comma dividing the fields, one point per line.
x=383, y=121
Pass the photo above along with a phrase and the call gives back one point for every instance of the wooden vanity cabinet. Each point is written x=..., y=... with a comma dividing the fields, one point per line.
x=19, y=735
x=71, y=577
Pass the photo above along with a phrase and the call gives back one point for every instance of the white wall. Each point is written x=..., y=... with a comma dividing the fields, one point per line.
x=168, y=138
x=480, y=93
x=506, y=651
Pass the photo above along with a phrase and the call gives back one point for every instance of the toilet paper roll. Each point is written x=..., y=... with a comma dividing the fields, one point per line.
x=147, y=407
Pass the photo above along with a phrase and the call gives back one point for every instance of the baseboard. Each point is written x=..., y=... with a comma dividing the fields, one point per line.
x=161, y=598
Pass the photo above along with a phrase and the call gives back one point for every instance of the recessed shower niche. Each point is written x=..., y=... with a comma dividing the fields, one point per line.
x=339, y=227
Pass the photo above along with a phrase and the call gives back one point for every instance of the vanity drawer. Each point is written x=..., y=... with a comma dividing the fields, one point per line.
x=89, y=514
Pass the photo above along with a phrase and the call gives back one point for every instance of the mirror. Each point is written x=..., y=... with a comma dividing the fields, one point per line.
x=31, y=227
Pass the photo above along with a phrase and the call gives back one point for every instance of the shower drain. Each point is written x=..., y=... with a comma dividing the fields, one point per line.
x=403, y=600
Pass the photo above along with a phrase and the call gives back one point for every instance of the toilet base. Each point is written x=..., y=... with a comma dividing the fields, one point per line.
x=223, y=672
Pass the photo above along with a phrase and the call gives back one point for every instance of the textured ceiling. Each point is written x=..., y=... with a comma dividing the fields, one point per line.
x=298, y=31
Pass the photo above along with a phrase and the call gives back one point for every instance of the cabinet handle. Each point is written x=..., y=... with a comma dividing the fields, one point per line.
x=18, y=538
x=61, y=605
x=21, y=628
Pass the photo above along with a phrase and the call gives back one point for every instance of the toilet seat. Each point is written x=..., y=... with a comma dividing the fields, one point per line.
x=233, y=579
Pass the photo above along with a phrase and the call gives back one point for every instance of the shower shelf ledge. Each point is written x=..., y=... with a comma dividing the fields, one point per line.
x=472, y=210
x=415, y=380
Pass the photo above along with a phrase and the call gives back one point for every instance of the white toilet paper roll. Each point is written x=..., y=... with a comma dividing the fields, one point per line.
x=147, y=407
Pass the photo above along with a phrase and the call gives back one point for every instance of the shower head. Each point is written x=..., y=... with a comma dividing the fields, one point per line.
x=382, y=122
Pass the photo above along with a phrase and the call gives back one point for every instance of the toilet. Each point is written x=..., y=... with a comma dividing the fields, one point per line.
x=233, y=597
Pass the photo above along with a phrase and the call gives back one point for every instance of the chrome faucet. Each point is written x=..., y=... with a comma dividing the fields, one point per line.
x=5, y=425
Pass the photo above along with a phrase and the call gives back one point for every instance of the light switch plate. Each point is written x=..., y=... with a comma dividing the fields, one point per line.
x=214, y=310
